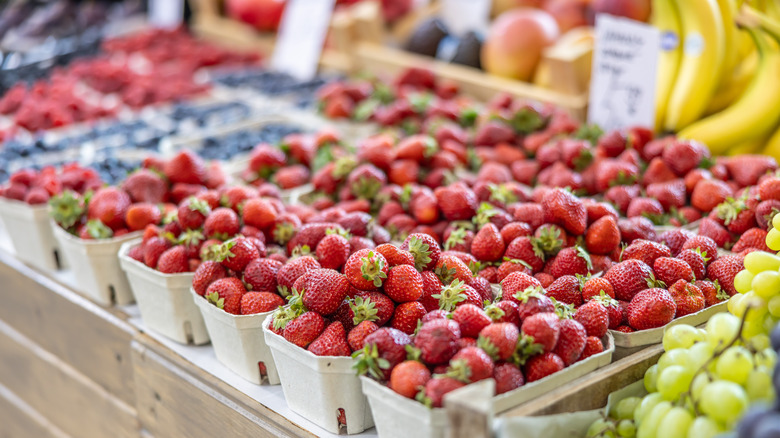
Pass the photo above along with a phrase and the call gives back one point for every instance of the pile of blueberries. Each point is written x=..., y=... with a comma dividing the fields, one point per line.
x=236, y=143
x=302, y=93
x=762, y=420
x=213, y=114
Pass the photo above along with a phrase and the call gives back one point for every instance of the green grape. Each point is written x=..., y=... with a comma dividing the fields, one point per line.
x=723, y=401
x=760, y=261
x=721, y=329
x=753, y=328
x=699, y=383
x=626, y=429
x=624, y=409
x=758, y=342
x=758, y=306
x=773, y=238
x=733, y=303
x=759, y=386
x=646, y=405
x=704, y=427
x=651, y=377
x=675, y=423
x=743, y=281
x=774, y=306
x=770, y=321
x=735, y=364
x=680, y=336
x=673, y=381
x=766, y=356
x=600, y=428
x=649, y=425
x=678, y=356
x=776, y=225
x=699, y=354
x=765, y=284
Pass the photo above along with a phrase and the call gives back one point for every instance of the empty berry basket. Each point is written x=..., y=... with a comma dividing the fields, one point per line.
x=30, y=230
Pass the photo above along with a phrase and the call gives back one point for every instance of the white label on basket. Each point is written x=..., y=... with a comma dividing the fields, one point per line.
x=166, y=14
x=301, y=37
x=462, y=16
x=622, y=89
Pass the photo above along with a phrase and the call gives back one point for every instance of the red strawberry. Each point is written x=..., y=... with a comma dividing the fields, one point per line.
x=488, y=244
x=259, y=213
x=688, y=297
x=541, y=366
x=709, y=193
x=637, y=227
x=304, y=329
x=140, y=215
x=471, y=319
x=438, y=387
x=752, y=238
x=565, y=289
x=456, y=202
x=407, y=315
x=530, y=213
x=504, y=311
x=615, y=173
x=526, y=250
x=765, y=211
x=408, y=377
x=593, y=346
x=695, y=260
x=403, y=284
x=366, y=269
x=651, y=308
x=332, y=341
x=544, y=328
x=683, y=156
x=711, y=291
x=192, y=213
x=357, y=336
x=226, y=294
x=136, y=253
x=675, y=239
x=670, y=194
x=457, y=294
x=153, y=249
x=530, y=302
x=381, y=303
x=647, y=207
x=513, y=230
x=236, y=253
x=594, y=286
x=747, y=169
x=724, y=269
x=222, y=223
x=324, y=290
x=715, y=231
x=424, y=248
x=562, y=208
x=260, y=302
x=431, y=286
x=145, y=186
x=669, y=270
x=628, y=277
x=508, y=377
x=293, y=270
x=437, y=341
x=594, y=317
x=310, y=235
x=449, y=267
x=603, y=236
x=621, y=196
x=472, y=364
x=173, y=260
x=260, y=274
x=394, y=255
x=333, y=251
x=109, y=205
x=499, y=340
x=482, y=286
x=185, y=167
x=570, y=261
x=571, y=341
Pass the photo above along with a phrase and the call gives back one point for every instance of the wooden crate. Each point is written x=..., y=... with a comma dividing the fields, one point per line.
x=469, y=419
x=93, y=340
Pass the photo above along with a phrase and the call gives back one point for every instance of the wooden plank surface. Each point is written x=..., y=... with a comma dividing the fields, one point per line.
x=68, y=399
x=176, y=399
x=19, y=420
x=92, y=339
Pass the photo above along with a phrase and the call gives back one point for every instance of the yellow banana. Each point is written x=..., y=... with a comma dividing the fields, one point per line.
x=735, y=85
x=749, y=147
x=745, y=46
x=702, y=58
x=727, y=11
x=667, y=20
x=753, y=115
x=773, y=145
x=772, y=9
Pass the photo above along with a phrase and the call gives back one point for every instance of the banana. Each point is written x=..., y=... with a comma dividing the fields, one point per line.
x=667, y=20
x=773, y=145
x=727, y=11
x=749, y=147
x=772, y=9
x=753, y=115
x=702, y=58
x=735, y=85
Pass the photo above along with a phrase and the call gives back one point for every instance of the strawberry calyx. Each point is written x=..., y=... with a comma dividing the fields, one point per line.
x=459, y=370
x=423, y=398
x=605, y=300
x=190, y=238
x=421, y=252
x=501, y=193
x=720, y=293
x=98, y=230
x=210, y=252
x=339, y=232
x=456, y=237
x=484, y=213
x=66, y=209
x=488, y=347
x=518, y=262
x=526, y=348
x=223, y=252
x=590, y=132
x=343, y=166
x=582, y=279
x=703, y=254
x=494, y=312
x=451, y=295
x=654, y=282
x=300, y=251
x=413, y=353
x=368, y=362
x=548, y=243
x=364, y=310
x=445, y=274
x=527, y=120
x=730, y=209
x=372, y=269
x=583, y=254
x=283, y=233
x=563, y=310
x=366, y=187
x=475, y=267
x=529, y=292
x=199, y=205
x=170, y=217
x=215, y=299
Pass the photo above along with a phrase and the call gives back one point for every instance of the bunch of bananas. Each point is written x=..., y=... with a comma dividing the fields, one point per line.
x=719, y=73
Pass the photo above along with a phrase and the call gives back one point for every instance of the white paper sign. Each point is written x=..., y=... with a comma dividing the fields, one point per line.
x=166, y=14
x=301, y=37
x=622, y=89
x=462, y=16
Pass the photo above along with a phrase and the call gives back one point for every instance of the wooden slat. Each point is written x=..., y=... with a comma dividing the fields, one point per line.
x=19, y=420
x=176, y=399
x=68, y=399
x=92, y=339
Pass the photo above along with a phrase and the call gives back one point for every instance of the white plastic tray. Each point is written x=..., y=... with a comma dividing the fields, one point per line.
x=31, y=234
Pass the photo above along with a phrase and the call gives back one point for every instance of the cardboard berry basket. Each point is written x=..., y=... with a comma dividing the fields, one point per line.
x=164, y=300
x=238, y=341
x=316, y=387
x=655, y=336
x=96, y=266
x=29, y=228
x=398, y=416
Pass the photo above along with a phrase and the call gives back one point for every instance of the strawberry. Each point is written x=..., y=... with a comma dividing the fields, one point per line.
x=541, y=366
x=517, y=282
x=504, y=311
x=185, y=167
x=482, y=286
x=145, y=185
x=383, y=350
x=260, y=302
x=437, y=388
x=226, y=294
x=571, y=261
x=682, y=156
x=603, y=236
x=621, y=196
x=709, y=193
x=357, y=336
x=408, y=377
x=437, y=341
x=715, y=231
x=304, y=329
x=530, y=213
x=331, y=342
x=531, y=301
x=136, y=253
x=407, y=315
x=508, y=377
x=637, y=227
x=471, y=364
x=526, y=250
x=628, y=277
x=669, y=194
x=458, y=239
x=594, y=286
x=471, y=320
x=565, y=289
x=222, y=223
x=333, y=251
x=646, y=251
x=593, y=346
x=379, y=302
x=509, y=266
x=109, y=205
x=615, y=173
x=765, y=211
x=236, y=253
x=544, y=328
x=292, y=270
x=394, y=255
x=431, y=286
x=601, y=263
x=669, y=270
x=260, y=274
x=711, y=291
x=140, y=215
x=622, y=329
x=324, y=290
x=747, y=169
x=695, y=260
x=424, y=248
x=724, y=269
x=488, y=244
x=675, y=239
x=688, y=297
x=153, y=249
x=499, y=340
x=752, y=238
x=192, y=213
x=571, y=341
x=450, y=267
x=366, y=269
x=651, y=308
x=562, y=208
x=594, y=317
x=174, y=260
x=457, y=294
x=513, y=230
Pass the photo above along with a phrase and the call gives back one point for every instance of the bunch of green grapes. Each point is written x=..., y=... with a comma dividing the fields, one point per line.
x=707, y=378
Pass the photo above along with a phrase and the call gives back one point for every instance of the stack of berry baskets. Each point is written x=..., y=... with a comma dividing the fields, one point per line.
x=25, y=212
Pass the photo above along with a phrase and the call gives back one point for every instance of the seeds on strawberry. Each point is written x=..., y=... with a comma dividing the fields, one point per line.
x=260, y=302
x=403, y=284
x=366, y=269
x=408, y=377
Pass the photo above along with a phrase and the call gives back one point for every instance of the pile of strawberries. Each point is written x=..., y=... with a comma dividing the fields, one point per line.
x=146, y=197
x=36, y=187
